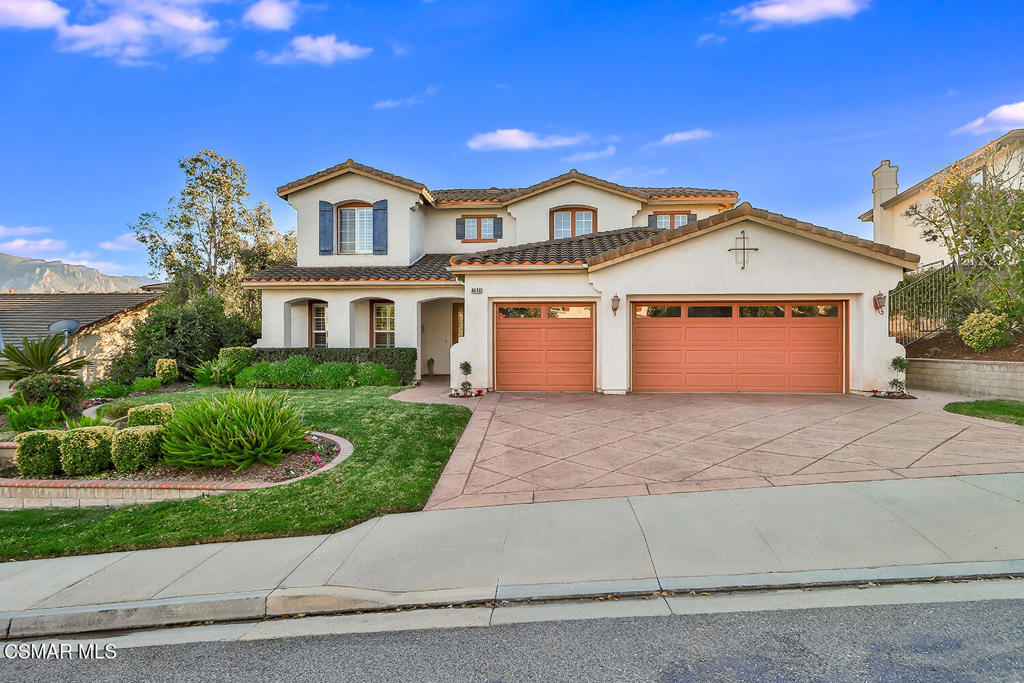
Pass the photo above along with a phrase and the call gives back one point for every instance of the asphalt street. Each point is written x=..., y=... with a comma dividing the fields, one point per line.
x=967, y=641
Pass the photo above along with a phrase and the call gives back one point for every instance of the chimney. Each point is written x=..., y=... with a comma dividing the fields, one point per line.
x=884, y=188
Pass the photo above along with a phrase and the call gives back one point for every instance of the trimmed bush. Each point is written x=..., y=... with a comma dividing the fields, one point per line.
x=153, y=414
x=167, y=370
x=145, y=384
x=26, y=417
x=69, y=390
x=38, y=453
x=376, y=375
x=334, y=376
x=241, y=356
x=234, y=430
x=133, y=448
x=300, y=372
x=984, y=330
x=86, y=450
x=401, y=360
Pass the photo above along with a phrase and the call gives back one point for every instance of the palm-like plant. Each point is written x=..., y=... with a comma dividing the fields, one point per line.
x=47, y=354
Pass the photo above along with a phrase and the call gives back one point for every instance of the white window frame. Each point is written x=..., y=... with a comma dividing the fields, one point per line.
x=387, y=341
x=318, y=324
x=362, y=225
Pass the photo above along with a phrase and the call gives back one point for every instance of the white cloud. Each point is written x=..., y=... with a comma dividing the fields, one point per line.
x=88, y=259
x=406, y=101
x=400, y=49
x=20, y=231
x=593, y=154
x=765, y=14
x=273, y=15
x=323, y=50
x=125, y=242
x=515, y=138
x=1000, y=119
x=710, y=39
x=32, y=248
x=31, y=14
x=684, y=136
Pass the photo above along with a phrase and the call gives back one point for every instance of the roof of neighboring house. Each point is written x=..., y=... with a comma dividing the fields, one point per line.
x=604, y=246
x=29, y=315
x=502, y=195
x=428, y=267
x=1013, y=135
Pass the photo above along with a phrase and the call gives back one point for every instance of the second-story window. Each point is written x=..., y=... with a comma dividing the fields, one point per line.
x=673, y=219
x=572, y=222
x=479, y=227
x=355, y=228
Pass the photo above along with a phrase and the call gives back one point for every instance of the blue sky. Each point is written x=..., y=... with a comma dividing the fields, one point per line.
x=790, y=102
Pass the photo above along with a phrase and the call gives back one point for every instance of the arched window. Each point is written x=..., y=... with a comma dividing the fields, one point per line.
x=572, y=221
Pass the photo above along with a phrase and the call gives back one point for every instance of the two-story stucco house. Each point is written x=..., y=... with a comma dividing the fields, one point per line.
x=580, y=284
x=889, y=207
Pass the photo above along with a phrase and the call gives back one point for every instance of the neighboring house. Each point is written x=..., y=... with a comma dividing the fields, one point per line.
x=582, y=284
x=892, y=227
x=105, y=318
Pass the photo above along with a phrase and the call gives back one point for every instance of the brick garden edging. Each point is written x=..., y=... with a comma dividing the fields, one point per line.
x=17, y=494
x=971, y=377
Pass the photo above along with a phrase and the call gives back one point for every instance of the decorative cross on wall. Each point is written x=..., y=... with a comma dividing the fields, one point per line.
x=742, y=250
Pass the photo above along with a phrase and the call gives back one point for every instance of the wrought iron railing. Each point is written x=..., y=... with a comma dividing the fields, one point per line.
x=919, y=308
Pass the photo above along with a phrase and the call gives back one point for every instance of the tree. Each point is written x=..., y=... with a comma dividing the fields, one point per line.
x=977, y=212
x=211, y=237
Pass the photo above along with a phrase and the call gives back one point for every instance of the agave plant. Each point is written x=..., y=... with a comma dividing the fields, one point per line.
x=47, y=355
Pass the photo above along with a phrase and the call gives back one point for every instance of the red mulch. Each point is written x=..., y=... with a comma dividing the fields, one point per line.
x=951, y=347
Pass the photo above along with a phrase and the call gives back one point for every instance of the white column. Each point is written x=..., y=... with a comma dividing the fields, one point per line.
x=339, y=320
x=407, y=325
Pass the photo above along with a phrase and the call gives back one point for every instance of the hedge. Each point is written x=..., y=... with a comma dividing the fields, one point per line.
x=38, y=453
x=152, y=414
x=401, y=360
x=86, y=450
x=135, y=447
x=242, y=355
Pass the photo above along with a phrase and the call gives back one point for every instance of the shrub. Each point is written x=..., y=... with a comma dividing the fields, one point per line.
x=219, y=372
x=26, y=417
x=38, y=453
x=7, y=402
x=240, y=355
x=235, y=430
x=47, y=355
x=984, y=330
x=402, y=360
x=167, y=370
x=68, y=389
x=110, y=390
x=334, y=376
x=145, y=384
x=376, y=375
x=153, y=414
x=291, y=373
x=86, y=450
x=133, y=448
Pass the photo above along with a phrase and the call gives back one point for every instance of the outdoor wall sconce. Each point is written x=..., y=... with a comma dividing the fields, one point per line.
x=879, y=301
x=615, y=304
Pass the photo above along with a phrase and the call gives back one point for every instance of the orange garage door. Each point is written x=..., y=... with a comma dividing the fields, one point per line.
x=544, y=347
x=761, y=346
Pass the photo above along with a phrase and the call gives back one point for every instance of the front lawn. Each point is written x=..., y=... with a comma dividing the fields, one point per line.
x=400, y=450
x=992, y=409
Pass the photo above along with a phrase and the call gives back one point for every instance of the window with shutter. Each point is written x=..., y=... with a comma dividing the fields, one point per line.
x=478, y=228
x=671, y=219
x=355, y=228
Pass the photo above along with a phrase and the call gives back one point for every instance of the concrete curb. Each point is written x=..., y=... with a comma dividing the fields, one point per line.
x=258, y=605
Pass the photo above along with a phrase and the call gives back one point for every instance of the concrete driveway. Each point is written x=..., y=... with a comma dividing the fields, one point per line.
x=539, y=447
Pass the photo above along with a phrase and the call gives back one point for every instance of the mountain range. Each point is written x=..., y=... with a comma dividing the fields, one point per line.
x=20, y=274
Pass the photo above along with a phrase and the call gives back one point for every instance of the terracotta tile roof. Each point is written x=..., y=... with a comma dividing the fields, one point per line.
x=346, y=167
x=611, y=244
x=29, y=315
x=562, y=251
x=428, y=267
x=491, y=194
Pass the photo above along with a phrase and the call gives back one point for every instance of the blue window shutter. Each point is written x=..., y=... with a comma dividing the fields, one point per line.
x=652, y=221
x=460, y=228
x=326, y=228
x=497, y=228
x=380, y=227
x=691, y=218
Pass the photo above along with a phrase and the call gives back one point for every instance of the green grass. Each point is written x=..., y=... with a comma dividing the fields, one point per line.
x=994, y=409
x=400, y=450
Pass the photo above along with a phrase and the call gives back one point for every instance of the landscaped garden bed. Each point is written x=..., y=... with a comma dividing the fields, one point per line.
x=949, y=346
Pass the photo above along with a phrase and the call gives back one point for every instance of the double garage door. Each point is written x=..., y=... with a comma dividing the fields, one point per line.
x=677, y=346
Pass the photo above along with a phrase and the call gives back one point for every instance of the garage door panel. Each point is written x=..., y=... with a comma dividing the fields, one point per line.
x=514, y=336
x=776, y=354
x=545, y=353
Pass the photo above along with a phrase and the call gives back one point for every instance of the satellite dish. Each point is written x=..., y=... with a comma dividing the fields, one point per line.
x=65, y=327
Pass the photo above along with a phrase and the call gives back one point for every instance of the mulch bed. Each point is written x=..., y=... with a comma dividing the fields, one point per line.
x=951, y=347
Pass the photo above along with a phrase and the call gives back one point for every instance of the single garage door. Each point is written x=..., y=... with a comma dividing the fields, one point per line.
x=762, y=346
x=544, y=347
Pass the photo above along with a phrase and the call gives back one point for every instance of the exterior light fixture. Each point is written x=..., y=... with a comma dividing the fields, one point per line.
x=615, y=304
x=879, y=301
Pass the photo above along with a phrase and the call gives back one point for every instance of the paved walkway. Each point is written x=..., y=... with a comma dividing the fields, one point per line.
x=542, y=447
x=765, y=536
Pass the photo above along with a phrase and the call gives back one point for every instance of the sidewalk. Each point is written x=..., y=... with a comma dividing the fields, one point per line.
x=796, y=535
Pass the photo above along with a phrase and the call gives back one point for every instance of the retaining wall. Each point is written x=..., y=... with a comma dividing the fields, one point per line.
x=970, y=377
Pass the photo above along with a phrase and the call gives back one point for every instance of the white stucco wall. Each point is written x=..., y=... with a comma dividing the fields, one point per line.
x=532, y=214
x=439, y=230
x=906, y=235
x=786, y=266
